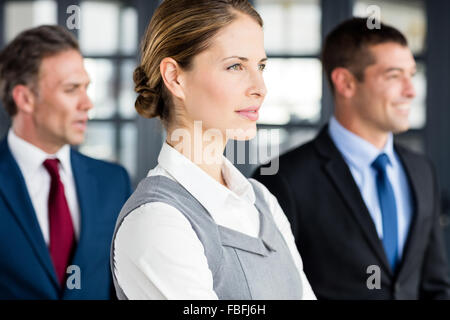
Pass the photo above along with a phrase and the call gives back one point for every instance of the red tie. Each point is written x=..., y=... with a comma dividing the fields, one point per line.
x=62, y=239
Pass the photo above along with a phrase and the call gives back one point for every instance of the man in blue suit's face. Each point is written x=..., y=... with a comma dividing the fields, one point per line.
x=53, y=111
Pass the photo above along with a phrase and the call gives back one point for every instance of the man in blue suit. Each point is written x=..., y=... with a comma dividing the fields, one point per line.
x=57, y=207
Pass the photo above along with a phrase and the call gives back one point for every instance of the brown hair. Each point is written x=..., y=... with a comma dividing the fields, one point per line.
x=20, y=60
x=348, y=45
x=179, y=29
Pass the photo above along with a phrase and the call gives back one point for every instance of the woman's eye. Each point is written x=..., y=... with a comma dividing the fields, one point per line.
x=262, y=67
x=236, y=66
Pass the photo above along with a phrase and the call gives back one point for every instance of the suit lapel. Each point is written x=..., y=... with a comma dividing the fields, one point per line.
x=415, y=180
x=86, y=187
x=342, y=178
x=17, y=197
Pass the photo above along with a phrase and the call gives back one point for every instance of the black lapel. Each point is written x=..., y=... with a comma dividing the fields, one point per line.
x=413, y=171
x=346, y=187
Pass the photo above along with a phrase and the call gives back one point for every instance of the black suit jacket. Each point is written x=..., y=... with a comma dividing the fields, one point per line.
x=336, y=236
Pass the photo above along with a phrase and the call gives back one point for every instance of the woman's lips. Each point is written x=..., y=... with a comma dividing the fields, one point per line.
x=249, y=113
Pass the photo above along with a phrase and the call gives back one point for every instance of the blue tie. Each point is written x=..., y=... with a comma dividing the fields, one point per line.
x=388, y=209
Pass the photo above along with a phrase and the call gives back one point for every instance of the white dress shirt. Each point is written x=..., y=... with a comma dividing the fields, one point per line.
x=37, y=179
x=157, y=253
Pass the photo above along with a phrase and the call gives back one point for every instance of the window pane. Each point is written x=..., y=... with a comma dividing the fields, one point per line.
x=128, y=150
x=99, y=27
x=298, y=137
x=417, y=115
x=294, y=91
x=286, y=139
x=290, y=26
x=127, y=96
x=21, y=15
x=99, y=141
x=101, y=89
x=129, y=37
x=408, y=16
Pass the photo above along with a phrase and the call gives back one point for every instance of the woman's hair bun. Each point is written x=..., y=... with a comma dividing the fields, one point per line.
x=148, y=99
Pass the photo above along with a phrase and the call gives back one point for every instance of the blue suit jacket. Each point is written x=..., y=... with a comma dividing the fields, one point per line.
x=26, y=269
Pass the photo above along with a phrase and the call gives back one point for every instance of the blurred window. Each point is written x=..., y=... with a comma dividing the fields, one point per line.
x=109, y=41
x=21, y=15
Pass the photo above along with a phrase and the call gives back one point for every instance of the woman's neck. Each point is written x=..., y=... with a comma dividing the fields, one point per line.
x=207, y=155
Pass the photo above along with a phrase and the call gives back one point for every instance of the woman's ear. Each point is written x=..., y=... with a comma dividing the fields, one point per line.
x=23, y=98
x=172, y=76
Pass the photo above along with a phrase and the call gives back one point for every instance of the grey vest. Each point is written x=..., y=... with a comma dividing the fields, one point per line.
x=243, y=267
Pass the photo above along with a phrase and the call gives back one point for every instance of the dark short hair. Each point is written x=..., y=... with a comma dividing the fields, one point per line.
x=21, y=59
x=348, y=44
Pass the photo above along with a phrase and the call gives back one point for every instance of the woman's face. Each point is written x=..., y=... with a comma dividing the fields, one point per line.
x=225, y=87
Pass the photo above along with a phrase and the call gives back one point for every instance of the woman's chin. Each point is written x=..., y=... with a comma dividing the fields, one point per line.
x=242, y=134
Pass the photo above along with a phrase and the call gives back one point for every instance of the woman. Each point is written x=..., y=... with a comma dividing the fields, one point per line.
x=196, y=228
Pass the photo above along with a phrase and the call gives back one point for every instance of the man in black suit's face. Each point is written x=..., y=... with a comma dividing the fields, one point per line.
x=379, y=102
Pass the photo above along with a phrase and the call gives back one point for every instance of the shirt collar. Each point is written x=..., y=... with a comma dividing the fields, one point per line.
x=30, y=158
x=210, y=193
x=359, y=152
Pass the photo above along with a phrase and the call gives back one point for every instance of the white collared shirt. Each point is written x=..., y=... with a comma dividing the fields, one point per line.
x=149, y=261
x=37, y=179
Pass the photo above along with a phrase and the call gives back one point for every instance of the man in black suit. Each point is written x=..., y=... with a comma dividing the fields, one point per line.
x=365, y=211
